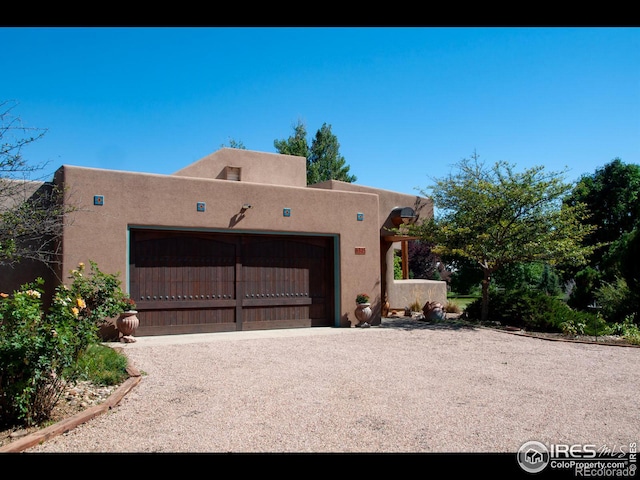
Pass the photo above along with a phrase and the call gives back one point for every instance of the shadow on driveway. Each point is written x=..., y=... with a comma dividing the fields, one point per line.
x=408, y=323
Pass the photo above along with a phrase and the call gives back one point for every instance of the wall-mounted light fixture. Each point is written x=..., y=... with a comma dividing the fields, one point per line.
x=402, y=216
x=245, y=207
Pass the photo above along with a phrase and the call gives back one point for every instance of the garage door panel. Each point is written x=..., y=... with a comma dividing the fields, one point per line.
x=185, y=282
x=260, y=318
x=166, y=322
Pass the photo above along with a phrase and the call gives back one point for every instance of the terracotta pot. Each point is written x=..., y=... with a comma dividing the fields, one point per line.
x=363, y=312
x=127, y=322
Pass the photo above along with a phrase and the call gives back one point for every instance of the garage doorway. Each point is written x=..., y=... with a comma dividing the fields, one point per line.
x=198, y=282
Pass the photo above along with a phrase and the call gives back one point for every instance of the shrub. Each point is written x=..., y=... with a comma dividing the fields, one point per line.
x=530, y=310
x=38, y=351
x=34, y=351
x=397, y=267
x=572, y=327
x=615, y=300
x=101, y=291
x=628, y=329
x=416, y=306
x=452, y=307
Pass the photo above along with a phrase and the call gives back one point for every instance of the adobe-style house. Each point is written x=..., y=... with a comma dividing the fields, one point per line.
x=239, y=241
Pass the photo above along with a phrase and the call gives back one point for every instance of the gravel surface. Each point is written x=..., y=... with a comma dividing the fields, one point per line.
x=401, y=387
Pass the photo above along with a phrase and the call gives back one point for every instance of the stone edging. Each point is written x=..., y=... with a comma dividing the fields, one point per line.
x=63, y=426
x=135, y=377
x=567, y=340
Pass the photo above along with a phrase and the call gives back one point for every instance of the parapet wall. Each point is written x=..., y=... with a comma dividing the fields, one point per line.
x=404, y=293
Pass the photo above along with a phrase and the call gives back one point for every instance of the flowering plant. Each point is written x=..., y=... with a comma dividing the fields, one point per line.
x=101, y=292
x=362, y=298
x=128, y=303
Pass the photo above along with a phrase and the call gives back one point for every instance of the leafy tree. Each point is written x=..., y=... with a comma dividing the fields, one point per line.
x=494, y=216
x=31, y=213
x=465, y=276
x=549, y=282
x=531, y=275
x=621, y=263
x=624, y=254
x=423, y=263
x=324, y=161
x=612, y=196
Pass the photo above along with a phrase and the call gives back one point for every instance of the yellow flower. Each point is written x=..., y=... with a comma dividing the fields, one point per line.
x=33, y=293
x=80, y=302
x=75, y=311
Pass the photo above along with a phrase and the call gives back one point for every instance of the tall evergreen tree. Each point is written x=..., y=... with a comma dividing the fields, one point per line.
x=296, y=144
x=324, y=161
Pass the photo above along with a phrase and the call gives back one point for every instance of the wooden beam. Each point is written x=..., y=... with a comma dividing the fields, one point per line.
x=405, y=261
x=399, y=238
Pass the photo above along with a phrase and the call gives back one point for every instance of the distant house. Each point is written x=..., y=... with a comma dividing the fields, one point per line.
x=239, y=241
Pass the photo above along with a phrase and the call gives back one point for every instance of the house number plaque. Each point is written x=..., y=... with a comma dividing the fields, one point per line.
x=361, y=250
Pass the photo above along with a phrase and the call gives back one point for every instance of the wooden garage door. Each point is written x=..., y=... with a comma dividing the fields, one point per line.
x=185, y=282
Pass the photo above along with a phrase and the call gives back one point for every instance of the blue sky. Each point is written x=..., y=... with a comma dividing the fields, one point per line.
x=405, y=103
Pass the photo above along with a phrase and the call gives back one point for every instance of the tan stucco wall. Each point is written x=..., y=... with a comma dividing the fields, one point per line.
x=270, y=183
x=399, y=293
x=404, y=293
x=256, y=167
x=388, y=201
x=99, y=233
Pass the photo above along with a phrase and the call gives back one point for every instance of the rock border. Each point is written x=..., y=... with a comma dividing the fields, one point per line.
x=63, y=426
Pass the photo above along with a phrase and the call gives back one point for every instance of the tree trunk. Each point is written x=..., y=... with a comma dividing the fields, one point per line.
x=484, y=314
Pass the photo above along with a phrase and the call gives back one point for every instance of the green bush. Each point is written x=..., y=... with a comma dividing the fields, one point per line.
x=573, y=327
x=397, y=267
x=34, y=351
x=101, y=292
x=530, y=310
x=628, y=329
x=40, y=351
x=615, y=300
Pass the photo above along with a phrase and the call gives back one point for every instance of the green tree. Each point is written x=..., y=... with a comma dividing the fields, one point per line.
x=531, y=276
x=612, y=195
x=495, y=216
x=324, y=161
x=296, y=144
x=31, y=213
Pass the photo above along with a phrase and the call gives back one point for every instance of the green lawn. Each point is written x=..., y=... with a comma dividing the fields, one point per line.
x=462, y=301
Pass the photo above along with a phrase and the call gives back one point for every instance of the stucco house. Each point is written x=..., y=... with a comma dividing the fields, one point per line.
x=239, y=241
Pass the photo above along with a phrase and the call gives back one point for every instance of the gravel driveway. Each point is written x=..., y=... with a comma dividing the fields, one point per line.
x=400, y=387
